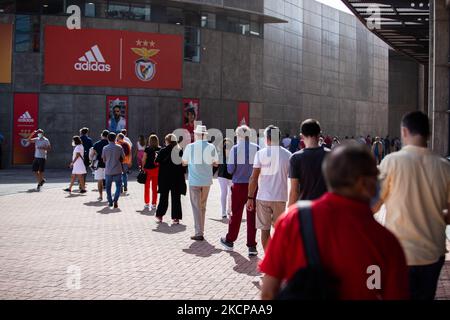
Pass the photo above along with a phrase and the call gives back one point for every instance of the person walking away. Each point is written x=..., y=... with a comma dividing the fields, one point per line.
x=286, y=142
x=151, y=168
x=42, y=146
x=305, y=173
x=270, y=174
x=200, y=157
x=377, y=149
x=416, y=191
x=113, y=157
x=141, y=144
x=99, y=173
x=170, y=179
x=240, y=166
x=294, y=146
x=87, y=145
x=127, y=161
x=224, y=179
x=346, y=254
x=77, y=165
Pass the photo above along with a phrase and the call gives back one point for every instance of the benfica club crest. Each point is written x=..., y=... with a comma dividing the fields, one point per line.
x=145, y=67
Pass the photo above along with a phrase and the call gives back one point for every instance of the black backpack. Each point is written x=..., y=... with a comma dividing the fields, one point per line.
x=311, y=282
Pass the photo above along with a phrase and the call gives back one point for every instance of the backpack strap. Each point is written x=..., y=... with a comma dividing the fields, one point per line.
x=307, y=233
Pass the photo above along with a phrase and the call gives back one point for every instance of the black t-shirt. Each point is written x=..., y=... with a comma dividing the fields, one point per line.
x=306, y=166
x=98, y=147
x=151, y=157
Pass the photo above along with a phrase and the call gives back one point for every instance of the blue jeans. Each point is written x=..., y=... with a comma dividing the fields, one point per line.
x=125, y=175
x=109, y=180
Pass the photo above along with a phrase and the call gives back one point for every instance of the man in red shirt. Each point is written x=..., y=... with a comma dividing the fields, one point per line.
x=364, y=258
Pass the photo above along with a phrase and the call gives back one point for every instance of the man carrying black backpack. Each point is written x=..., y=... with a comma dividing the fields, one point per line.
x=338, y=251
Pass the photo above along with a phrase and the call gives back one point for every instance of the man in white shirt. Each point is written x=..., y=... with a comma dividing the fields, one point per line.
x=416, y=191
x=270, y=177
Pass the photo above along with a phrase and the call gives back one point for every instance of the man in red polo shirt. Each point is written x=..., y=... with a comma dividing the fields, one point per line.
x=365, y=258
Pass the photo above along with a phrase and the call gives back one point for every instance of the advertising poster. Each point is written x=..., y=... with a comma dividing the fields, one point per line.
x=25, y=122
x=112, y=58
x=116, y=113
x=191, y=108
x=243, y=113
x=5, y=52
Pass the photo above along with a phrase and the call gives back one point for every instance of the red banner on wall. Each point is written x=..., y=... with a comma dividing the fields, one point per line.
x=26, y=107
x=112, y=58
x=243, y=113
x=116, y=113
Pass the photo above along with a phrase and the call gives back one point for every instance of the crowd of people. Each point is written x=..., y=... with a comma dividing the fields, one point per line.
x=343, y=186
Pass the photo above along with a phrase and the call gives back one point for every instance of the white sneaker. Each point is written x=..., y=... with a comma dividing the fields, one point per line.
x=153, y=206
x=146, y=206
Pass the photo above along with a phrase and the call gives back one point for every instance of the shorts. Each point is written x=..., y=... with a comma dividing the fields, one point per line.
x=38, y=165
x=267, y=213
x=99, y=174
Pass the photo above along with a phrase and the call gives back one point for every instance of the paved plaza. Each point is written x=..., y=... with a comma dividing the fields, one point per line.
x=59, y=246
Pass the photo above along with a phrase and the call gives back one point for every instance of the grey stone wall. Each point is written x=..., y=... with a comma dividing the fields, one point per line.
x=323, y=64
x=403, y=89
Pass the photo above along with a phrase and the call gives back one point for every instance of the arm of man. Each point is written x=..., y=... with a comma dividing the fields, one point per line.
x=253, y=184
x=385, y=180
x=270, y=287
x=294, y=194
x=215, y=157
x=29, y=137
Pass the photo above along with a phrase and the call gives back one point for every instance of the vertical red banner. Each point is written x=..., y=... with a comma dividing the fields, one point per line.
x=26, y=106
x=243, y=113
x=116, y=113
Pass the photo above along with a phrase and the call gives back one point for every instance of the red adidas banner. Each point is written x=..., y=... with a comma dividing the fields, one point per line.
x=112, y=58
x=25, y=122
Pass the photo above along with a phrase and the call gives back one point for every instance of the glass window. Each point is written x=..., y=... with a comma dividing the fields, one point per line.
x=52, y=7
x=175, y=15
x=192, y=44
x=256, y=29
x=140, y=12
x=244, y=27
x=6, y=6
x=233, y=25
x=27, y=6
x=89, y=9
x=27, y=33
x=118, y=11
x=208, y=20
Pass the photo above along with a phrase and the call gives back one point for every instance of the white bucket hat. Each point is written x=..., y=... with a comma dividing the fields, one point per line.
x=201, y=130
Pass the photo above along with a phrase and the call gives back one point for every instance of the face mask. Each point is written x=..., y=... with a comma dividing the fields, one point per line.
x=73, y=144
x=40, y=135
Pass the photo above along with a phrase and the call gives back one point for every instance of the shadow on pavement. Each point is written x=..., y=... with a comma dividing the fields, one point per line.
x=169, y=229
x=202, y=249
x=108, y=210
x=75, y=195
x=95, y=204
x=147, y=212
x=244, y=265
x=224, y=221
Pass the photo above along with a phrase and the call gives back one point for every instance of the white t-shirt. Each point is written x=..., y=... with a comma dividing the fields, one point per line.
x=273, y=179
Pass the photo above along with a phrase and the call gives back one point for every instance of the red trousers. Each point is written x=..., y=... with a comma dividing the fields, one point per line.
x=152, y=178
x=239, y=193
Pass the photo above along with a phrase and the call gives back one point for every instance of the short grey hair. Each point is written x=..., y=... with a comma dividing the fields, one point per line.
x=243, y=131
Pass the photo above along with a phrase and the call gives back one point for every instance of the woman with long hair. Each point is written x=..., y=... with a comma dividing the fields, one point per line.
x=77, y=165
x=140, y=149
x=151, y=168
x=171, y=179
x=224, y=179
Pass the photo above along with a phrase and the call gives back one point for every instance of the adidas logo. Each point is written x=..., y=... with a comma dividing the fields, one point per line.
x=92, y=61
x=26, y=117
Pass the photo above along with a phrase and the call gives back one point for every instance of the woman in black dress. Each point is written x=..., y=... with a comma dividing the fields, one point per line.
x=170, y=179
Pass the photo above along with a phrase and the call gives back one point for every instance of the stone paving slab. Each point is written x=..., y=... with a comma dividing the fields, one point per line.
x=49, y=240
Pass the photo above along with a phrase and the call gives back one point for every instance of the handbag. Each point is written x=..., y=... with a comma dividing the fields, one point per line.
x=142, y=177
x=311, y=282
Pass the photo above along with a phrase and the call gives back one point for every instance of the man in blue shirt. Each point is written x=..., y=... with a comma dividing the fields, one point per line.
x=240, y=165
x=200, y=157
